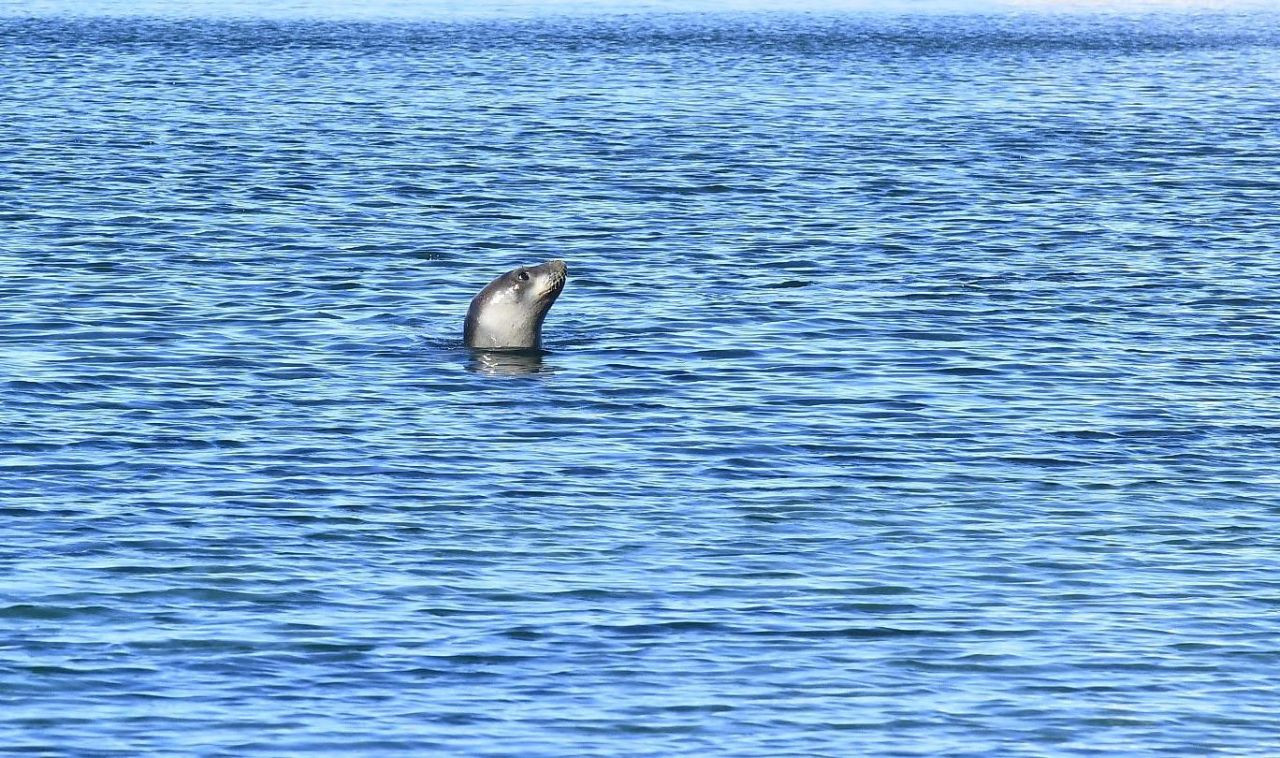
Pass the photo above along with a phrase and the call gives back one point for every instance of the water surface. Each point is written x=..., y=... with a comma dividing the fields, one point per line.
x=913, y=392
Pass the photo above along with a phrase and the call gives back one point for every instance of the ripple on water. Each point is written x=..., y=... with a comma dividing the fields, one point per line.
x=913, y=389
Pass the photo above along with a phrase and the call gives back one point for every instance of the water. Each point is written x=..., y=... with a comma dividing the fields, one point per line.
x=914, y=391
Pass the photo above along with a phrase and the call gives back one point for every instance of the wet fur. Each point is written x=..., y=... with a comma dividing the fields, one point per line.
x=508, y=313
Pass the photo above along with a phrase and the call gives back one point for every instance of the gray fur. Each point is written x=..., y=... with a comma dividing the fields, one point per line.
x=508, y=313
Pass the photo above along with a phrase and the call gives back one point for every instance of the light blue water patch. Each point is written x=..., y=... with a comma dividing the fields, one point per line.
x=512, y=9
x=914, y=390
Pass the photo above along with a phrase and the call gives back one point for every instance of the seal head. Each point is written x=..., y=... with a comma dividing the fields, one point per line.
x=508, y=314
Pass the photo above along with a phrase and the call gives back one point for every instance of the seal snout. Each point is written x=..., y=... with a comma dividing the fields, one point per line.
x=559, y=271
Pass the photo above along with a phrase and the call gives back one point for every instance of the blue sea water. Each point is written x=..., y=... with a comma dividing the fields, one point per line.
x=914, y=391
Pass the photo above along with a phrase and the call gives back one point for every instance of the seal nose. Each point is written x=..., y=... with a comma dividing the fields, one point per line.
x=558, y=266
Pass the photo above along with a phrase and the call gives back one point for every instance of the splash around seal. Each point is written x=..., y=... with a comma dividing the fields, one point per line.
x=508, y=313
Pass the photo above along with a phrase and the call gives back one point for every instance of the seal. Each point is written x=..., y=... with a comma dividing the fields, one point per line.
x=508, y=313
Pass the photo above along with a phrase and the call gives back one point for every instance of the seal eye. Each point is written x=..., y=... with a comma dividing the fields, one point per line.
x=524, y=276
